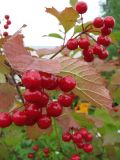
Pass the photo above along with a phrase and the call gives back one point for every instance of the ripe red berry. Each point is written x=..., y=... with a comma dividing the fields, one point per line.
x=97, y=49
x=84, y=43
x=6, y=26
x=77, y=137
x=75, y=157
x=116, y=109
x=7, y=17
x=49, y=81
x=5, y=120
x=103, y=55
x=31, y=155
x=35, y=148
x=81, y=7
x=46, y=150
x=44, y=122
x=98, y=22
x=80, y=145
x=31, y=80
x=88, y=148
x=88, y=55
x=33, y=111
x=67, y=83
x=109, y=21
x=105, y=41
x=89, y=137
x=54, y=109
x=83, y=132
x=30, y=120
x=106, y=31
x=44, y=99
x=8, y=22
x=66, y=137
x=72, y=44
x=19, y=118
x=5, y=34
x=65, y=100
x=32, y=96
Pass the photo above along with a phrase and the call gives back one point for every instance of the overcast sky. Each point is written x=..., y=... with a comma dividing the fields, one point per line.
x=32, y=13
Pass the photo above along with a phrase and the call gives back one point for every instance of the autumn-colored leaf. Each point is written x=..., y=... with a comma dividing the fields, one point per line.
x=67, y=17
x=90, y=85
x=21, y=60
x=7, y=96
x=116, y=78
x=4, y=69
x=66, y=121
x=35, y=132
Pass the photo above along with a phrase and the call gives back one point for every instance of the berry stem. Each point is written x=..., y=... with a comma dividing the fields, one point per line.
x=17, y=88
x=91, y=37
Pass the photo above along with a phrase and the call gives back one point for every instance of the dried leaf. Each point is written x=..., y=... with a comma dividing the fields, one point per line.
x=35, y=132
x=21, y=60
x=7, y=96
x=67, y=17
x=90, y=85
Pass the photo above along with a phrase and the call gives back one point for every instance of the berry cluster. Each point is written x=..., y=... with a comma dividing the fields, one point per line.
x=81, y=138
x=83, y=40
x=6, y=25
x=35, y=148
x=39, y=107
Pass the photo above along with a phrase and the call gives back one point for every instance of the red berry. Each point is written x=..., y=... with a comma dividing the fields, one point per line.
x=32, y=96
x=84, y=43
x=31, y=80
x=106, y=31
x=33, y=111
x=7, y=17
x=8, y=22
x=46, y=150
x=65, y=100
x=19, y=118
x=109, y=21
x=103, y=55
x=116, y=109
x=105, y=41
x=80, y=145
x=44, y=99
x=72, y=44
x=31, y=155
x=98, y=22
x=6, y=26
x=49, y=81
x=5, y=34
x=44, y=122
x=5, y=120
x=89, y=58
x=83, y=132
x=97, y=49
x=30, y=121
x=77, y=137
x=35, y=148
x=67, y=83
x=75, y=157
x=88, y=148
x=54, y=109
x=81, y=7
x=89, y=137
x=66, y=137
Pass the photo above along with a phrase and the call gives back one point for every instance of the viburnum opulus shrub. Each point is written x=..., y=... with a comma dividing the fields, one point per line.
x=44, y=92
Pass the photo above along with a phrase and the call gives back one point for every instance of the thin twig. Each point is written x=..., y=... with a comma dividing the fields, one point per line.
x=90, y=37
x=17, y=87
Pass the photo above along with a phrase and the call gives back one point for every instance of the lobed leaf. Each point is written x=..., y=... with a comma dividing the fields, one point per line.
x=90, y=85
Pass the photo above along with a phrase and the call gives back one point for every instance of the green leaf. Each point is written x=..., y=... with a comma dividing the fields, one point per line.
x=78, y=28
x=67, y=17
x=73, y=2
x=54, y=35
x=90, y=85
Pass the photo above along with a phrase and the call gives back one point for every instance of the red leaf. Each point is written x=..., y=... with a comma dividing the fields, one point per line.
x=21, y=60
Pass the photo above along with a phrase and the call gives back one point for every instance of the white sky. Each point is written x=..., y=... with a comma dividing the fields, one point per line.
x=32, y=13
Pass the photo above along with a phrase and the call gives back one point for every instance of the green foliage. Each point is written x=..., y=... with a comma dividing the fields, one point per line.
x=54, y=35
